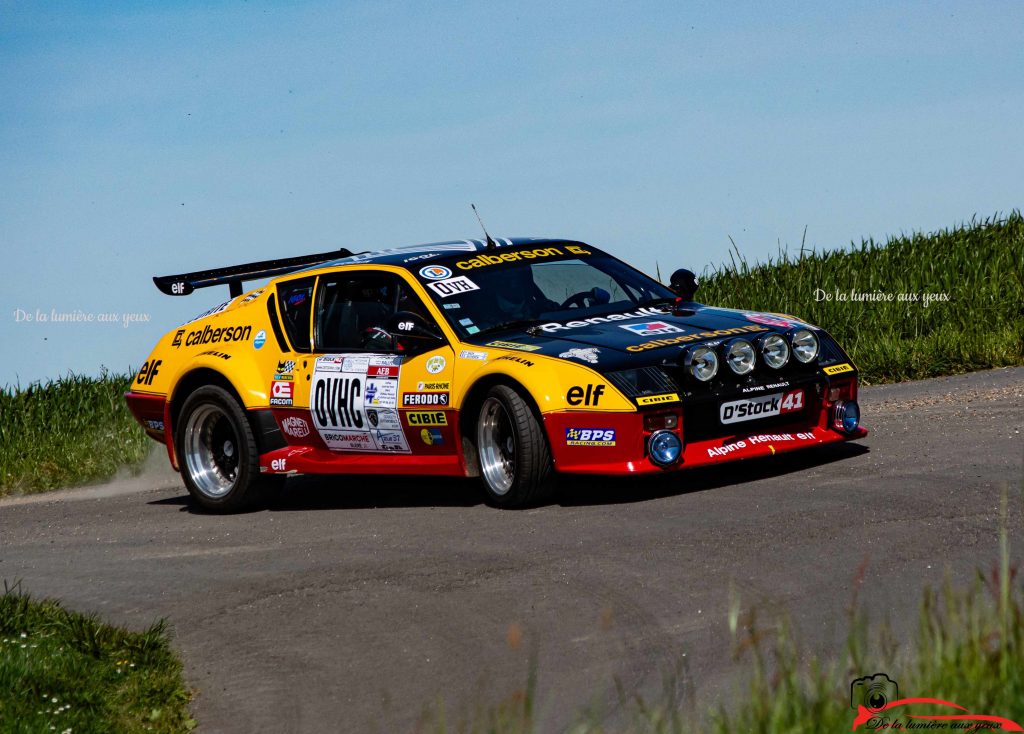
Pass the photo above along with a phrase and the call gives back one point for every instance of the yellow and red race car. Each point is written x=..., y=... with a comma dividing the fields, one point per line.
x=510, y=360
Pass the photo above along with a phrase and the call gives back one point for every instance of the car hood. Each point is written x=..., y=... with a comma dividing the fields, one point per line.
x=648, y=333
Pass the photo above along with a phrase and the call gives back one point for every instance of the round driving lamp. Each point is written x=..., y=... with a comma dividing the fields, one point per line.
x=775, y=351
x=739, y=355
x=805, y=346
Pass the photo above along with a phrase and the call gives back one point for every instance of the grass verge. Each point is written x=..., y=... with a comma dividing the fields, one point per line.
x=67, y=432
x=978, y=266
x=67, y=672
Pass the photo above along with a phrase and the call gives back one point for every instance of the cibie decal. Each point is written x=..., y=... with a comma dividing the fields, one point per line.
x=657, y=399
x=260, y=339
x=295, y=427
x=589, y=436
x=453, y=286
x=838, y=369
x=436, y=364
x=651, y=328
x=588, y=354
x=435, y=272
x=431, y=418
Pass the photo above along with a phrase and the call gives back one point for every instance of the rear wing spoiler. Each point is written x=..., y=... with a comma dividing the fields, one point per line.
x=235, y=275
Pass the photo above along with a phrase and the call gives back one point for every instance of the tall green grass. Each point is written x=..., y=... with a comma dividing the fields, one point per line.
x=978, y=265
x=66, y=432
x=61, y=671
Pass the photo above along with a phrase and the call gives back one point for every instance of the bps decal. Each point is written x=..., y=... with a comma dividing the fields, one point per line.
x=589, y=436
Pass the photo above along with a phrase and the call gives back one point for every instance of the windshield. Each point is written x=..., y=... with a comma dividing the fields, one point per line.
x=531, y=287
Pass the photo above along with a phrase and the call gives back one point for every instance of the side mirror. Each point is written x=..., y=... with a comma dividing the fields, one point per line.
x=684, y=284
x=410, y=325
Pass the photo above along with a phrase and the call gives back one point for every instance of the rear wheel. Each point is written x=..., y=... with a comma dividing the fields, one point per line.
x=218, y=454
x=515, y=462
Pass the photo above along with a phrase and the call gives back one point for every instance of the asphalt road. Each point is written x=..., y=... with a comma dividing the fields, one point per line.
x=356, y=603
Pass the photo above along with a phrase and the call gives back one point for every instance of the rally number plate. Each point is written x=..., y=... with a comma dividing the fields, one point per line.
x=762, y=406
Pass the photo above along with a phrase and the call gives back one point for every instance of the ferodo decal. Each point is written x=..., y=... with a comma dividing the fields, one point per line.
x=589, y=436
x=209, y=335
x=838, y=369
x=423, y=418
x=762, y=406
x=424, y=398
x=483, y=261
x=353, y=402
x=657, y=399
x=683, y=338
x=646, y=311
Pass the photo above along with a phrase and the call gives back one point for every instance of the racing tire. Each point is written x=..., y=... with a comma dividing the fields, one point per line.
x=218, y=455
x=515, y=461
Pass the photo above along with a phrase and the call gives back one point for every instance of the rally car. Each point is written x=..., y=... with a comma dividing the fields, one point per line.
x=511, y=360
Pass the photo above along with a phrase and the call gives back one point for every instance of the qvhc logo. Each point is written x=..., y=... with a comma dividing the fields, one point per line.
x=651, y=328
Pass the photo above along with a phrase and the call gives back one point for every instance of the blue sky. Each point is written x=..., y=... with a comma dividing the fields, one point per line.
x=139, y=139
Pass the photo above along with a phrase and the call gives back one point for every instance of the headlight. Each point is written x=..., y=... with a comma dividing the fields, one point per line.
x=703, y=363
x=805, y=345
x=739, y=353
x=775, y=351
x=664, y=447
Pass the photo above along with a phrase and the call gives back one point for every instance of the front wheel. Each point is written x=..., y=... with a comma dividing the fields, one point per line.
x=515, y=462
x=218, y=454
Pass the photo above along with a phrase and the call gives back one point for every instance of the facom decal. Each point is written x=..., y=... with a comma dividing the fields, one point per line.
x=260, y=339
x=591, y=395
x=281, y=392
x=589, y=436
x=294, y=427
x=440, y=385
x=425, y=398
x=584, y=354
x=435, y=272
x=431, y=437
x=514, y=345
x=453, y=286
x=683, y=338
x=579, y=324
x=838, y=369
x=472, y=354
x=427, y=418
x=657, y=399
x=651, y=328
x=209, y=335
x=436, y=364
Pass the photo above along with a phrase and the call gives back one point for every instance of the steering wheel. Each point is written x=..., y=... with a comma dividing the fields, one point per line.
x=580, y=300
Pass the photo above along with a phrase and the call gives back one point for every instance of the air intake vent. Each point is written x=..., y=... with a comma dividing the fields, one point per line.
x=642, y=381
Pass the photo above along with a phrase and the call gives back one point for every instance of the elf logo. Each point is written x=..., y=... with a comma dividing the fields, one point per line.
x=591, y=395
x=148, y=372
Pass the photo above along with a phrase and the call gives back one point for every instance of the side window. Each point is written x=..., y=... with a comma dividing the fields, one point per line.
x=295, y=299
x=354, y=311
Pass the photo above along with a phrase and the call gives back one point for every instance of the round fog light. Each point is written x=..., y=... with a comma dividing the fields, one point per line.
x=664, y=447
x=846, y=416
